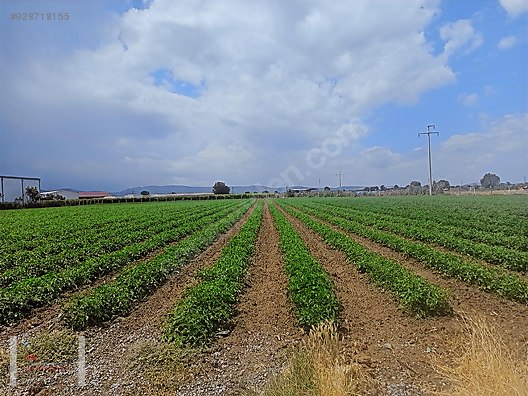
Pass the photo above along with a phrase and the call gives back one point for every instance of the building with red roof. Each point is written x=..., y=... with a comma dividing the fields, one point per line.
x=93, y=194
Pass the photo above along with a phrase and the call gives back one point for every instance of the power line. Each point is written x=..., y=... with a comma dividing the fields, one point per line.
x=429, y=133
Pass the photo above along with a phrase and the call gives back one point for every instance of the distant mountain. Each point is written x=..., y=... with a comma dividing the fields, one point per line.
x=180, y=189
x=252, y=188
x=177, y=189
x=64, y=189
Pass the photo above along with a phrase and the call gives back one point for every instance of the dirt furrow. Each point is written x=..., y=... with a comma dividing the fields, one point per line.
x=50, y=314
x=262, y=332
x=443, y=249
x=109, y=348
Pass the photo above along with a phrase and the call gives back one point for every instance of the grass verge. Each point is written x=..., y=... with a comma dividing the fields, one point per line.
x=163, y=367
x=55, y=346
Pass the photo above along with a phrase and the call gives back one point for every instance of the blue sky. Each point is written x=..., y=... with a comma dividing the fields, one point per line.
x=133, y=92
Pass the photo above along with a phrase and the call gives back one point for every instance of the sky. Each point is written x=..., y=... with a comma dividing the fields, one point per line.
x=126, y=93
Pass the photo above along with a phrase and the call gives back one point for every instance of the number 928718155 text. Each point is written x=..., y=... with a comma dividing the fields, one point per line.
x=40, y=16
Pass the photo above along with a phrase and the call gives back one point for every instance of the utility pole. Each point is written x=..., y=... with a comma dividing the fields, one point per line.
x=339, y=174
x=429, y=133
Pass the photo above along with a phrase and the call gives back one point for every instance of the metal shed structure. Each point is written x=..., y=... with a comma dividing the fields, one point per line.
x=21, y=178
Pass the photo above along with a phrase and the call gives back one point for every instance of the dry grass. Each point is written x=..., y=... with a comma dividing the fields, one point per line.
x=162, y=365
x=487, y=367
x=318, y=368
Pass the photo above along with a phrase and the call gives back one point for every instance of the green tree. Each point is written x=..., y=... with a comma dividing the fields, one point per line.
x=415, y=187
x=441, y=185
x=145, y=193
x=32, y=194
x=221, y=188
x=490, y=180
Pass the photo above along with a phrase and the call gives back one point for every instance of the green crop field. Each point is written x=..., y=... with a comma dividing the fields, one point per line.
x=426, y=258
x=45, y=253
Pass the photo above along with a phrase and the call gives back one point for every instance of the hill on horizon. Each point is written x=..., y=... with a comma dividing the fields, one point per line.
x=183, y=189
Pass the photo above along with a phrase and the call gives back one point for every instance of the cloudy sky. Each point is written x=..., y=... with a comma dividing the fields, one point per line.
x=277, y=92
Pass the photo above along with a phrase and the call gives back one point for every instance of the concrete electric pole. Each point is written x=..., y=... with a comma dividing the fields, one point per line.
x=429, y=133
x=339, y=174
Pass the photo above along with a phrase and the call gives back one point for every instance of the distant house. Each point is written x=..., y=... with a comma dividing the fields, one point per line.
x=93, y=194
x=305, y=189
x=67, y=194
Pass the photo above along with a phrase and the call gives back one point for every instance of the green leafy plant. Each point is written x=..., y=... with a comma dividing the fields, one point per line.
x=413, y=292
x=209, y=305
x=309, y=286
x=19, y=298
x=117, y=298
x=496, y=280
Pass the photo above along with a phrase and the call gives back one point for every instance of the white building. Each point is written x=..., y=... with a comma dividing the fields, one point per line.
x=64, y=193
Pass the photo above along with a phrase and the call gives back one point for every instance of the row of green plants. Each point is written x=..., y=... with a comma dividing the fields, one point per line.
x=117, y=298
x=123, y=236
x=466, y=229
x=36, y=234
x=210, y=304
x=309, y=286
x=495, y=220
x=415, y=294
x=69, y=256
x=86, y=236
x=496, y=280
x=29, y=230
x=417, y=230
x=18, y=299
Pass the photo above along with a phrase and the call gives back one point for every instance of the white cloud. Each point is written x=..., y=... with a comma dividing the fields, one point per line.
x=507, y=42
x=278, y=78
x=468, y=99
x=489, y=90
x=460, y=35
x=500, y=147
x=514, y=7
